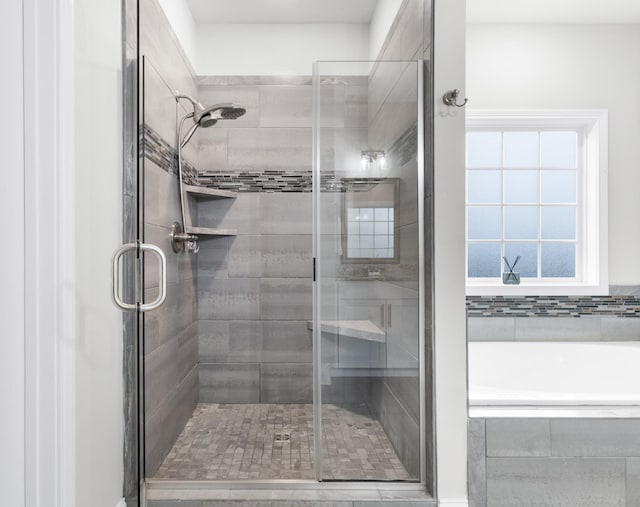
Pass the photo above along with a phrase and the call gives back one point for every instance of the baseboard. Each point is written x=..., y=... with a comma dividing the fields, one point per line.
x=454, y=502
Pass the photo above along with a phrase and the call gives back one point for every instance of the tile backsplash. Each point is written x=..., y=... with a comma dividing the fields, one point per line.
x=556, y=318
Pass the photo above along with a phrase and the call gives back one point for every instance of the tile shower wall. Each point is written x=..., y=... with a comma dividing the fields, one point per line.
x=255, y=288
x=170, y=348
x=563, y=318
x=560, y=462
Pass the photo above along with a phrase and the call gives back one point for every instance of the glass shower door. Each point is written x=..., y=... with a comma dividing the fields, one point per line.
x=368, y=245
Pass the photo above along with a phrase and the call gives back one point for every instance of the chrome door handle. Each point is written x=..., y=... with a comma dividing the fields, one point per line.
x=162, y=277
x=116, y=276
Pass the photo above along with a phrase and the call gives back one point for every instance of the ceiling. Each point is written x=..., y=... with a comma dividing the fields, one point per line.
x=282, y=11
x=554, y=11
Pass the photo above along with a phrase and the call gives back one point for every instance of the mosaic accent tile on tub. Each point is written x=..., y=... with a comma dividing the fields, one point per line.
x=553, y=306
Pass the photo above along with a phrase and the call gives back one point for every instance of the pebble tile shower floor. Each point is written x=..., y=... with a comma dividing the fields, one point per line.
x=275, y=441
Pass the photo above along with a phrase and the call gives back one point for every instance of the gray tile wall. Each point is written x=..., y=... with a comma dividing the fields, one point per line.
x=560, y=462
x=254, y=300
x=556, y=318
x=587, y=328
x=170, y=337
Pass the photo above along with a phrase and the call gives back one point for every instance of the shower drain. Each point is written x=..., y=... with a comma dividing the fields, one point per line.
x=282, y=437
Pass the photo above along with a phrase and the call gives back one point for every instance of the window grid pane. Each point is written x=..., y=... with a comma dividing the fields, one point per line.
x=531, y=152
x=370, y=233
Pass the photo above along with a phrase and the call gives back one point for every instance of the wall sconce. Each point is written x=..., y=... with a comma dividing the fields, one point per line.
x=369, y=157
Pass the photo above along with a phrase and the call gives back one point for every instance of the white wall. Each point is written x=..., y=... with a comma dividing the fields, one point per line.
x=183, y=25
x=273, y=49
x=449, y=257
x=12, y=366
x=381, y=21
x=573, y=66
x=98, y=229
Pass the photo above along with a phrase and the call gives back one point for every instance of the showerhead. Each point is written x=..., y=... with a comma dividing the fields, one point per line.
x=225, y=111
x=208, y=116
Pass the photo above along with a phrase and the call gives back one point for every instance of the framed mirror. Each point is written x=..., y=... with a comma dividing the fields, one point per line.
x=370, y=222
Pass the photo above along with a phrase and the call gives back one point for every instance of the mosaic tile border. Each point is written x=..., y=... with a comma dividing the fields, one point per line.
x=164, y=155
x=283, y=181
x=402, y=151
x=553, y=306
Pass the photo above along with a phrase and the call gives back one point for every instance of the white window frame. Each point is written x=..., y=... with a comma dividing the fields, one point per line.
x=592, y=221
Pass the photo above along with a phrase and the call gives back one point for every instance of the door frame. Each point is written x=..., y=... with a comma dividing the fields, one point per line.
x=49, y=208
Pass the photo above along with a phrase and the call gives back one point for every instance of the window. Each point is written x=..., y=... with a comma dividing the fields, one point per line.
x=370, y=233
x=536, y=198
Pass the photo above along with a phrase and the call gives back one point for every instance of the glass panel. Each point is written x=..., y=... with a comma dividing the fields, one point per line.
x=521, y=186
x=483, y=222
x=558, y=260
x=365, y=228
x=483, y=187
x=559, y=186
x=558, y=222
x=483, y=260
x=367, y=329
x=527, y=266
x=521, y=222
x=559, y=150
x=520, y=149
x=484, y=149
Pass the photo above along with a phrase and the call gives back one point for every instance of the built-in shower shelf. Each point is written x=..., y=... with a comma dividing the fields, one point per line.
x=211, y=231
x=209, y=193
x=361, y=329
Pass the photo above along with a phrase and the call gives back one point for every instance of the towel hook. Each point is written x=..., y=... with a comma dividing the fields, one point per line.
x=451, y=98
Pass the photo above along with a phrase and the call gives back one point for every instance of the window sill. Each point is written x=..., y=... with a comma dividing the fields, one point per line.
x=530, y=289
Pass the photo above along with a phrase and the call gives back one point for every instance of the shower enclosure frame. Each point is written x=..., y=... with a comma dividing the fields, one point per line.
x=136, y=481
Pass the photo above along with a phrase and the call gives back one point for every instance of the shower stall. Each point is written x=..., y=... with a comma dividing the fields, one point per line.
x=293, y=345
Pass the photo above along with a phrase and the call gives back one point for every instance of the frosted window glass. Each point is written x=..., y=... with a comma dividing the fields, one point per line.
x=354, y=252
x=352, y=214
x=558, y=222
x=366, y=214
x=521, y=222
x=521, y=186
x=483, y=260
x=382, y=252
x=381, y=242
x=353, y=242
x=520, y=149
x=365, y=228
x=382, y=228
x=366, y=241
x=558, y=149
x=354, y=227
x=558, y=260
x=367, y=252
x=381, y=214
x=484, y=222
x=484, y=149
x=391, y=214
x=483, y=187
x=559, y=186
x=528, y=264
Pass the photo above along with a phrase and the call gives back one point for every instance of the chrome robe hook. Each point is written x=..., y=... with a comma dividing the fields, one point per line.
x=451, y=98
